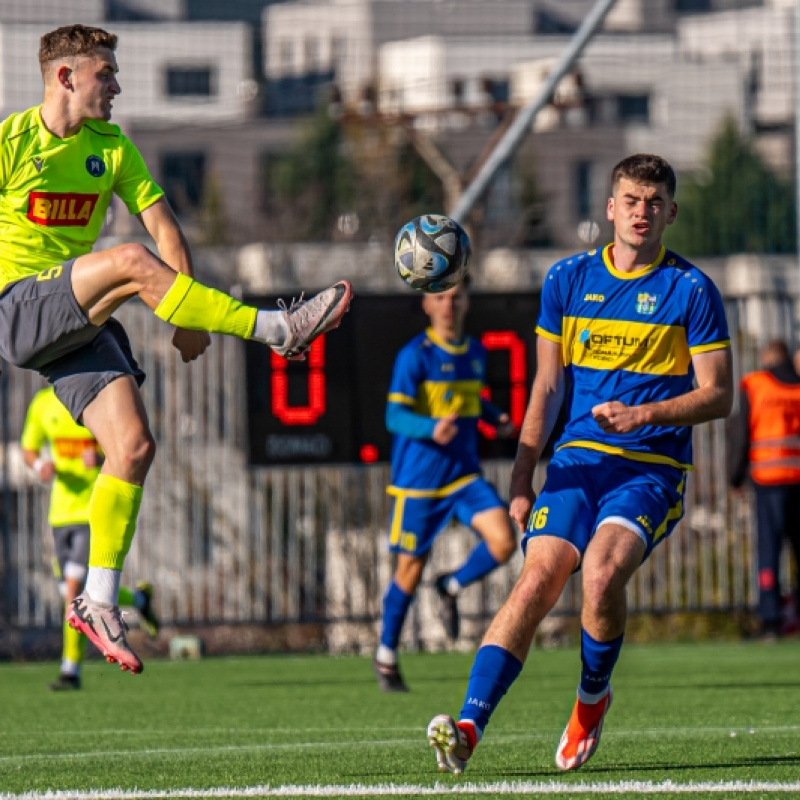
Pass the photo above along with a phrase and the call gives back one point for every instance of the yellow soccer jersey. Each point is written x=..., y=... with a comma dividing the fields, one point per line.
x=54, y=193
x=49, y=423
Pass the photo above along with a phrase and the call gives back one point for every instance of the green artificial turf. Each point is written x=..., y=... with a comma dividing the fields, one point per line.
x=705, y=713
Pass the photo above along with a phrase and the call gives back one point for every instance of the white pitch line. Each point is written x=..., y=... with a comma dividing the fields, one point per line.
x=418, y=790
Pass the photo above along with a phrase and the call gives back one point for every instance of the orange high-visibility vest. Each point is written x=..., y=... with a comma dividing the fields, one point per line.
x=774, y=428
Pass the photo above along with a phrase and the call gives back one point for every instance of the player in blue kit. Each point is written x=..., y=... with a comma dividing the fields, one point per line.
x=433, y=410
x=633, y=338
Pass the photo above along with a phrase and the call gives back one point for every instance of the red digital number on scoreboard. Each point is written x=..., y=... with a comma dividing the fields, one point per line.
x=310, y=413
x=517, y=374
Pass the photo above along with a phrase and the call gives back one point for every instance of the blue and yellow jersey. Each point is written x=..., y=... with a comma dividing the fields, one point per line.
x=630, y=337
x=49, y=423
x=54, y=193
x=433, y=379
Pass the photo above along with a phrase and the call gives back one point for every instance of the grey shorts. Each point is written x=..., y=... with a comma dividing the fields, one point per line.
x=72, y=547
x=43, y=328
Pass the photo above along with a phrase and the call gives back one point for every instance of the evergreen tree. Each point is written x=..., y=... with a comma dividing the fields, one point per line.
x=736, y=205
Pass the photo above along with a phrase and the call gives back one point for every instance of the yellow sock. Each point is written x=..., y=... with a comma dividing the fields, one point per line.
x=74, y=644
x=188, y=304
x=113, y=508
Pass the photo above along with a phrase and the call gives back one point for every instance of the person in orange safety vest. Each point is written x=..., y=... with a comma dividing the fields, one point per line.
x=765, y=442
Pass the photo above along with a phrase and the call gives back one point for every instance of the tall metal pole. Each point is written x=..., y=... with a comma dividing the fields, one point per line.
x=516, y=133
x=796, y=55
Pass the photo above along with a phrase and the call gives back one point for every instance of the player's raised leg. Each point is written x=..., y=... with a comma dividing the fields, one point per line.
x=118, y=421
x=549, y=561
x=102, y=281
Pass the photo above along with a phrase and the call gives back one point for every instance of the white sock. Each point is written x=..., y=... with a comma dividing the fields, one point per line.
x=270, y=328
x=70, y=668
x=102, y=585
x=386, y=655
x=591, y=699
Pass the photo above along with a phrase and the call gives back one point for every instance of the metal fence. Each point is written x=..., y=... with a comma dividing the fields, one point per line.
x=226, y=543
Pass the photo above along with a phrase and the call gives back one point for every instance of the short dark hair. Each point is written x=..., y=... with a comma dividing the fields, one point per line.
x=73, y=40
x=645, y=168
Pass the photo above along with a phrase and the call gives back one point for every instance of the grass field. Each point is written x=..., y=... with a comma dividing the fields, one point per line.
x=714, y=719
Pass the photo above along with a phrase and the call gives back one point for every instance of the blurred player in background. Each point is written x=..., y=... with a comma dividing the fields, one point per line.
x=433, y=411
x=765, y=443
x=66, y=455
x=60, y=164
x=623, y=333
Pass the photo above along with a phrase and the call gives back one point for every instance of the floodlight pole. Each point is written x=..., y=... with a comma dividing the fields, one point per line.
x=796, y=37
x=521, y=125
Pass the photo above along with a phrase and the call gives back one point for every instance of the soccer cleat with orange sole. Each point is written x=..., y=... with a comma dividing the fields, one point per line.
x=582, y=734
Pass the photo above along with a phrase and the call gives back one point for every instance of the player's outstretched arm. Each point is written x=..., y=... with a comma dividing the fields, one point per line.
x=712, y=399
x=547, y=395
x=160, y=222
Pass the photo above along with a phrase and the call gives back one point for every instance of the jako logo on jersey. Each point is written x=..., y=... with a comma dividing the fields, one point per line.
x=38, y=163
x=594, y=298
x=646, y=303
x=95, y=166
x=61, y=208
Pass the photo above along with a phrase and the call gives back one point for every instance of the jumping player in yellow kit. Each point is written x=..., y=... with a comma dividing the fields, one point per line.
x=65, y=455
x=60, y=164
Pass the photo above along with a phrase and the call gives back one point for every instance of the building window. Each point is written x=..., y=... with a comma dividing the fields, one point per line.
x=189, y=82
x=583, y=189
x=286, y=57
x=693, y=5
x=633, y=108
x=457, y=92
x=338, y=54
x=183, y=178
x=311, y=55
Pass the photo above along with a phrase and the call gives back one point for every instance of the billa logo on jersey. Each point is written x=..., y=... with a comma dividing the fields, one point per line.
x=61, y=208
x=73, y=448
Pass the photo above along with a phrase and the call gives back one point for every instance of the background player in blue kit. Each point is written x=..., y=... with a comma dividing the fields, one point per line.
x=634, y=339
x=433, y=411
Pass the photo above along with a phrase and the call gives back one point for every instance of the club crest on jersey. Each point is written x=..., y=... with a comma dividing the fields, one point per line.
x=646, y=303
x=95, y=166
x=38, y=163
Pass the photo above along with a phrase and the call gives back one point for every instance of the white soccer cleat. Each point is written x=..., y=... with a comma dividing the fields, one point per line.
x=451, y=743
x=307, y=319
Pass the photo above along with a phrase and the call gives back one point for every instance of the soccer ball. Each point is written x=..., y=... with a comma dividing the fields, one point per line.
x=431, y=253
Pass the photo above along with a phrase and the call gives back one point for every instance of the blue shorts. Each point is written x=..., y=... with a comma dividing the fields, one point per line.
x=416, y=518
x=585, y=488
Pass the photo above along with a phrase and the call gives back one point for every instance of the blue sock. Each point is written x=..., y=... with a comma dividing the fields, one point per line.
x=480, y=562
x=493, y=672
x=598, y=660
x=395, y=607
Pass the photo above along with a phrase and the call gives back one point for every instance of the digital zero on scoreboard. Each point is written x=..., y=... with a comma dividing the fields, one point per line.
x=330, y=408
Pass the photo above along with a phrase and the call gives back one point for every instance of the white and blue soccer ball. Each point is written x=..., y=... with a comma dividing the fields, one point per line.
x=432, y=253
